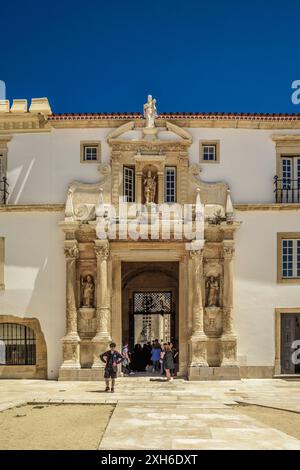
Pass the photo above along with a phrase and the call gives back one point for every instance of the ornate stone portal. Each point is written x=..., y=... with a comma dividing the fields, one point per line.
x=97, y=242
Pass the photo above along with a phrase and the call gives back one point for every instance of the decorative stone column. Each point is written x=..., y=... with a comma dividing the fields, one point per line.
x=228, y=339
x=138, y=187
x=71, y=357
x=198, y=340
x=103, y=310
x=161, y=187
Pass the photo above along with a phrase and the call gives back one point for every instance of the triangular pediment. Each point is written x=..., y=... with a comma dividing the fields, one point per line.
x=132, y=131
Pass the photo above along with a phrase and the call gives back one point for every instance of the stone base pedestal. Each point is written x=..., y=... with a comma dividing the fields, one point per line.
x=149, y=133
x=228, y=345
x=198, y=351
x=81, y=374
x=71, y=352
x=100, y=345
x=214, y=373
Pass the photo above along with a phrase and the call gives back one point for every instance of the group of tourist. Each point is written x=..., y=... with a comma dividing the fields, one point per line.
x=159, y=357
x=156, y=357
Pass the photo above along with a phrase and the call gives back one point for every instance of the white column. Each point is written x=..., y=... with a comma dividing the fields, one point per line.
x=229, y=338
x=71, y=341
x=103, y=310
x=198, y=340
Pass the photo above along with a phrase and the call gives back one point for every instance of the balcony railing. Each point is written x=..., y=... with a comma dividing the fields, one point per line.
x=287, y=190
x=3, y=190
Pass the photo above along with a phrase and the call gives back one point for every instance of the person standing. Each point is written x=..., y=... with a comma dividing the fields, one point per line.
x=168, y=361
x=155, y=355
x=175, y=358
x=111, y=358
x=126, y=360
x=162, y=353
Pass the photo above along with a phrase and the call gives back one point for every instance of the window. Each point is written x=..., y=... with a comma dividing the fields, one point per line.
x=170, y=184
x=287, y=178
x=2, y=286
x=90, y=152
x=17, y=344
x=289, y=257
x=290, y=172
x=129, y=183
x=210, y=151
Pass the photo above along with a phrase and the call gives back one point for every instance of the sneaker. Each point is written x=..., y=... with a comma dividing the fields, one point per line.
x=107, y=389
x=112, y=390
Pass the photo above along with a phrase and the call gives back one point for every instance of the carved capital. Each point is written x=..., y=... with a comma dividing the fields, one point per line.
x=71, y=251
x=196, y=254
x=102, y=251
x=228, y=251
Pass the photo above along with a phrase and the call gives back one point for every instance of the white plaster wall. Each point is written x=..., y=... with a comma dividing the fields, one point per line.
x=257, y=293
x=35, y=276
x=247, y=161
x=41, y=166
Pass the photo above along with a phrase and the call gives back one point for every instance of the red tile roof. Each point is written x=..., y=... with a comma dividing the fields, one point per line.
x=183, y=115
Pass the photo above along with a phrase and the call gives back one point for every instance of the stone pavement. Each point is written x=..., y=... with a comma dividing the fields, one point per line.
x=153, y=414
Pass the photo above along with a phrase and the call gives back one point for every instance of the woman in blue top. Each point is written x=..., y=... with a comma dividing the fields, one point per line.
x=155, y=355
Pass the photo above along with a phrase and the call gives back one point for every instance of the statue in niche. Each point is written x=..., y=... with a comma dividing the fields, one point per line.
x=87, y=291
x=149, y=188
x=150, y=111
x=213, y=291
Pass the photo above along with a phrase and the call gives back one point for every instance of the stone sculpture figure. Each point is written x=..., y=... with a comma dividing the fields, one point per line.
x=213, y=290
x=150, y=111
x=149, y=188
x=88, y=291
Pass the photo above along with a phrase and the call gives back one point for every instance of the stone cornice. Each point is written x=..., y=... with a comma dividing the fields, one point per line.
x=61, y=207
x=243, y=121
x=23, y=123
x=267, y=207
x=32, y=208
x=286, y=138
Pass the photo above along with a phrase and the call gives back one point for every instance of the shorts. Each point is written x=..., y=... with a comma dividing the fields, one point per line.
x=110, y=373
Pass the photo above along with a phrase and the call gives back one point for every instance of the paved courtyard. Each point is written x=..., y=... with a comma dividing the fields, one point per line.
x=153, y=414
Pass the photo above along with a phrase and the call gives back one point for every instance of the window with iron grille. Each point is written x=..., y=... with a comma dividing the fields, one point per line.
x=170, y=184
x=290, y=258
x=17, y=344
x=90, y=153
x=129, y=183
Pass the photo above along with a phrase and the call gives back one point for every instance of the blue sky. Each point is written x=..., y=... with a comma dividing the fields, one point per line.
x=102, y=56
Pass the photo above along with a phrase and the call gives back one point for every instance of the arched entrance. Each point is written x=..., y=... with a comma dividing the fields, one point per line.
x=150, y=303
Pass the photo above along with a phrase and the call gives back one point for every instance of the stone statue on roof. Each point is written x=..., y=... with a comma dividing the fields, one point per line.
x=150, y=111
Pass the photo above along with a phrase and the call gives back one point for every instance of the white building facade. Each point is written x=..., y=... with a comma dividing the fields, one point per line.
x=232, y=308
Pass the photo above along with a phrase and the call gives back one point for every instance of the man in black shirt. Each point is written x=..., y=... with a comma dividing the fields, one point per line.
x=111, y=358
